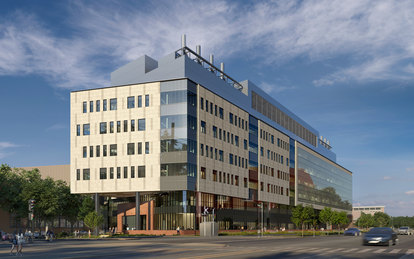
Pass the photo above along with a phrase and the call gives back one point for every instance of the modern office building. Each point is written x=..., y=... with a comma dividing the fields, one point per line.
x=178, y=141
x=356, y=211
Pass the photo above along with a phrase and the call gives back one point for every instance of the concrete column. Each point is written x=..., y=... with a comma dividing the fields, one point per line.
x=137, y=212
x=149, y=215
x=96, y=197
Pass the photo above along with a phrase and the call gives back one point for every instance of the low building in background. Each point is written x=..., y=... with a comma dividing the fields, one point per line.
x=356, y=211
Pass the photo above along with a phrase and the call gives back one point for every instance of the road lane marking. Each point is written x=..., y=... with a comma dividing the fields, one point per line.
x=395, y=251
x=352, y=249
x=379, y=251
x=364, y=250
x=335, y=250
x=223, y=254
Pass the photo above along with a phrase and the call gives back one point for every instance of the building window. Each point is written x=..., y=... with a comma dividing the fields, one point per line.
x=231, y=159
x=85, y=152
x=202, y=149
x=245, y=144
x=91, y=151
x=139, y=148
x=211, y=152
x=125, y=126
x=203, y=127
x=147, y=148
x=86, y=129
x=261, y=186
x=102, y=128
x=86, y=174
x=211, y=108
x=236, y=139
x=245, y=182
x=91, y=106
x=78, y=174
x=98, y=105
x=112, y=150
x=201, y=103
x=203, y=173
x=231, y=118
x=214, y=131
x=215, y=110
x=118, y=126
x=236, y=179
x=125, y=172
x=104, y=151
x=139, y=101
x=78, y=130
x=132, y=171
x=85, y=107
x=113, y=104
x=141, y=124
x=206, y=106
x=130, y=148
x=98, y=151
x=147, y=100
x=104, y=108
x=235, y=120
x=111, y=173
x=111, y=127
x=206, y=151
x=214, y=176
x=261, y=151
x=102, y=173
x=132, y=125
x=221, y=113
x=141, y=171
x=118, y=172
x=221, y=156
x=131, y=102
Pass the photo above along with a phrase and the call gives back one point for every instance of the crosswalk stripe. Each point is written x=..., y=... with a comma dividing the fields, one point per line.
x=364, y=250
x=335, y=250
x=379, y=251
x=395, y=251
x=352, y=249
x=410, y=251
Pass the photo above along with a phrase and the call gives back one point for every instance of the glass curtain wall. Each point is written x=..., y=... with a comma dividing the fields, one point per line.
x=253, y=157
x=321, y=183
x=178, y=154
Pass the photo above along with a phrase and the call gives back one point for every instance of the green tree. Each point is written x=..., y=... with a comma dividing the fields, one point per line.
x=339, y=219
x=93, y=220
x=326, y=216
x=301, y=215
x=11, y=183
x=381, y=219
x=365, y=220
x=88, y=206
x=70, y=204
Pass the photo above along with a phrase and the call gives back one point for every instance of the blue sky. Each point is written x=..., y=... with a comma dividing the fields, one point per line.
x=345, y=67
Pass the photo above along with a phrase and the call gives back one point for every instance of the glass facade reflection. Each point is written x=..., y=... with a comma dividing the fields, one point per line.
x=179, y=130
x=321, y=183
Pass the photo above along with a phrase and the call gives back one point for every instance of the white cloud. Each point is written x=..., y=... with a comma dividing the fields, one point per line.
x=411, y=169
x=387, y=178
x=5, y=148
x=57, y=126
x=410, y=192
x=376, y=37
x=274, y=88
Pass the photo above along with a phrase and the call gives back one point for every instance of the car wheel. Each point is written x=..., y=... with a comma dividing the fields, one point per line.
x=356, y=234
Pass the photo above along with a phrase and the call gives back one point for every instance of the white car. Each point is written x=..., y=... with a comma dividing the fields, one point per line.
x=405, y=231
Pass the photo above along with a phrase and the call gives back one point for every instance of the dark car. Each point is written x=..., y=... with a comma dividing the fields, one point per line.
x=352, y=232
x=380, y=236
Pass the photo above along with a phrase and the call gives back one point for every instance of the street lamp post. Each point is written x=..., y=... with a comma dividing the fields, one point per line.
x=260, y=205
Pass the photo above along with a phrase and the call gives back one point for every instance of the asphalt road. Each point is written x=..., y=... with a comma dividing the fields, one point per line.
x=219, y=247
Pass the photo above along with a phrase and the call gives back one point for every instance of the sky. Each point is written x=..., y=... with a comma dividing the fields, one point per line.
x=345, y=67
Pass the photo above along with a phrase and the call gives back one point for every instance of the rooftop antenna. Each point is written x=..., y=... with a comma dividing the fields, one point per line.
x=183, y=41
x=211, y=62
x=222, y=70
